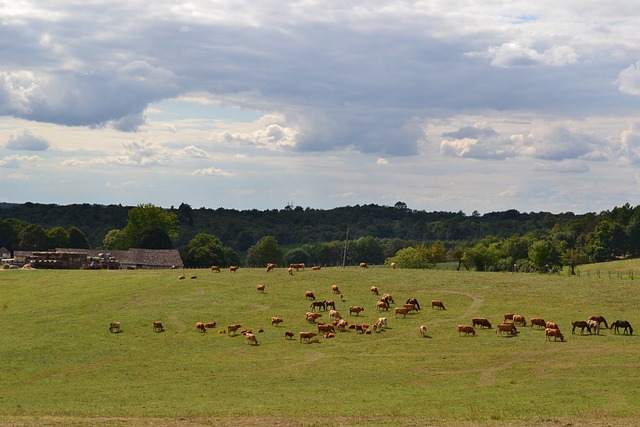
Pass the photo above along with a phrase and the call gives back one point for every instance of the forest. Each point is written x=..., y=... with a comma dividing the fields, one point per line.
x=373, y=233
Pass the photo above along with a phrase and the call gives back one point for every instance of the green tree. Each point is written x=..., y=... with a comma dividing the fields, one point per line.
x=58, y=237
x=77, y=239
x=482, y=257
x=32, y=238
x=151, y=227
x=265, y=251
x=115, y=240
x=204, y=250
x=607, y=241
x=540, y=254
x=573, y=258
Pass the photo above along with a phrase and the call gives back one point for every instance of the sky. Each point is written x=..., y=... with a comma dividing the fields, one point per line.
x=445, y=106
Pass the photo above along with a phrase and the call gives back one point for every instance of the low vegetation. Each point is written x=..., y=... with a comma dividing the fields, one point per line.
x=61, y=365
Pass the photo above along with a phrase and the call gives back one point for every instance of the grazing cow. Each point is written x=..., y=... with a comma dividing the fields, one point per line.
x=288, y=335
x=215, y=268
x=393, y=265
x=355, y=309
x=414, y=301
x=319, y=304
x=326, y=328
x=307, y=336
x=382, y=305
x=507, y=327
x=519, y=320
x=297, y=266
x=466, y=329
x=341, y=325
x=328, y=335
x=600, y=319
x=388, y=299
x=251, y=339
x=335, y=315
x=382, y=321
x=552, y=325
x=363, y=265
x=309, y=295
x=335, y=289
x=401, y=310
x=181, y=277
x=580, y=324
x=233, y=328
x=157, y=327
x=311, y=317
x=374, y=290
x=341, y=297
x=622, y=324
x=194, y=277
x=483, y=322
x=411, y=307
x=594, y=326
x=423, y=331
x=539, y=322
x=115, y=327
x=233, y=269
x=270, y=267
x=437, y=304
x=210, y=325
x=275, y=321
x=316, y=267
x=200, y=327
x=508, y=316
x=555, y=333
x=330, y=303
x=260, y=288
x=290, y=271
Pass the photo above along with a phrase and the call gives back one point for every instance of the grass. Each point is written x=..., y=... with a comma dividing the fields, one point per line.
x=61, y=366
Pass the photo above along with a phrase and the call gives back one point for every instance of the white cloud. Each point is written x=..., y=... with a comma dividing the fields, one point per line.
x=14, y=161
x=629, y=80
x=27, y=142
x=211, y=171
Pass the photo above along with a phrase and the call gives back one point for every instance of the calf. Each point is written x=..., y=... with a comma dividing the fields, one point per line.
x=335, y=315
x=374, y=290
x=483, y=322
x=382, y=305
x=275, y=321
x=309, y=295
x=114, y=327
x=335, y=289
x=311, y=317
x=466, y=329
x=555, y=333
x=260, y=288
x=423, y=331
x=157, y=327
x=251, y=339
x=288, y=335
x=233, y=328
x=437, y=304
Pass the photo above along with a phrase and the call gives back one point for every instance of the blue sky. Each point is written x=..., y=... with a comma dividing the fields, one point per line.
x=463, y=106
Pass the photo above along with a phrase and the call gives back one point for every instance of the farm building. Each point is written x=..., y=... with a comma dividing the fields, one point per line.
x=133, y=258
x=5, y=253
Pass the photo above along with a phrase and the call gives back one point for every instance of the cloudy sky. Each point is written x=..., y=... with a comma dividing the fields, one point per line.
x=446, y=106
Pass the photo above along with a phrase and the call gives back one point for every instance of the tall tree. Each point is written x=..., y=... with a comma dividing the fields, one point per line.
x=204, y=250
x=33, y=238
x=151, y=227
x=77, y=239
x=265, y=251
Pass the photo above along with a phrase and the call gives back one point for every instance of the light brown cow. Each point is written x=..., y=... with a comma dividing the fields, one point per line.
x=275, y=321
x=437, y=304
x=508, y=327
x=411, y=307
x=467, y=330
x=363, y=265
x=233, y=269
x=200, y=327
x=270, y=267
x=341, y=325
x=382, y=305
x=326, y=328
x=311, y=317
x=307, y=335
x=288, y=335
x=316, y=267
x=309, y=295
x=552, y=325
x=355, y=309
x=388, y=298
x=210, y=325
x=555, y=333
x=251, y=339
x=539, y=322
x=115, y=327
x=215, y=268
x=393, y=265
x=290, y=271
x=181, y=277
x=508, y=316
x=599, y=319
x=260, y=288
x=297, y=266
x=335, y=315
x=483, y=322
x=233, y=328
x=335, y=289
x=519, y=320
x=401, y=310
x=157, y=327
x=374, y=290
x=330, y=303
x=423, y=331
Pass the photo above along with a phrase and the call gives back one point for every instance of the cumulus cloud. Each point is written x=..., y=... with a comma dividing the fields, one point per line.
x=14, y=161
x=273, y=135
x=134, y=153
x=27, y=142
x=477, y=142
x=561, y=144
x=629, y=79
x=518, y=54
x=211, y=171
x=193, y=151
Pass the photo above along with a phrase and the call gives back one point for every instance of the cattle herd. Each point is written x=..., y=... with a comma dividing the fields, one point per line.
x=336, y=323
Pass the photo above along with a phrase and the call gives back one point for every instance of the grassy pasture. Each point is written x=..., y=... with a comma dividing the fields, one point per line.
x=61, y=366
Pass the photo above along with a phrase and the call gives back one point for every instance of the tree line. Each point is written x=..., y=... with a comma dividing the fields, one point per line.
x=495, y=241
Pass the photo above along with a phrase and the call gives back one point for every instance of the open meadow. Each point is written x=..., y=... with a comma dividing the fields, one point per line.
x=60, y=365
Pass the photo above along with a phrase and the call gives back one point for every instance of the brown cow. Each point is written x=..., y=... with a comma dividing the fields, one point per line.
x=335, y=289
x=326, y=328
x=311, y=317
x=288, y=335
x=297, y=266
x=319, y=304
x=215, y=268
x=363, y=265
x=437, y=304
x=233, y=328
x=260, y=288
x=519, y=320
x=382, y=305
x=307, y=335
x=555, y=333
x=335, y=315
x=423, y=331
x=270, y=267
x=275, y=321
x=233, y=269
x=539, y=322
x=393, y=265
x=251, y=339
x=411, y=307
x=181, y=277
x=414, y=301
x=200, y=327
x=388, y=299
x=316, y=267
x=330, y=303
x=374, y=290
x=115, y=327
x=157, y=327
x=552, y=325
x=401, y=310
x=483, y=322
x=467, y=330
x=580, y=324
x=508, y=316
x=600, y=319
x=355, y=309
x=210, y=325
x=507, y=327
x=309, y=295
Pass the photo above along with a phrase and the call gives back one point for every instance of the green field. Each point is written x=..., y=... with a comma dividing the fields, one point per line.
x=61, y=365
